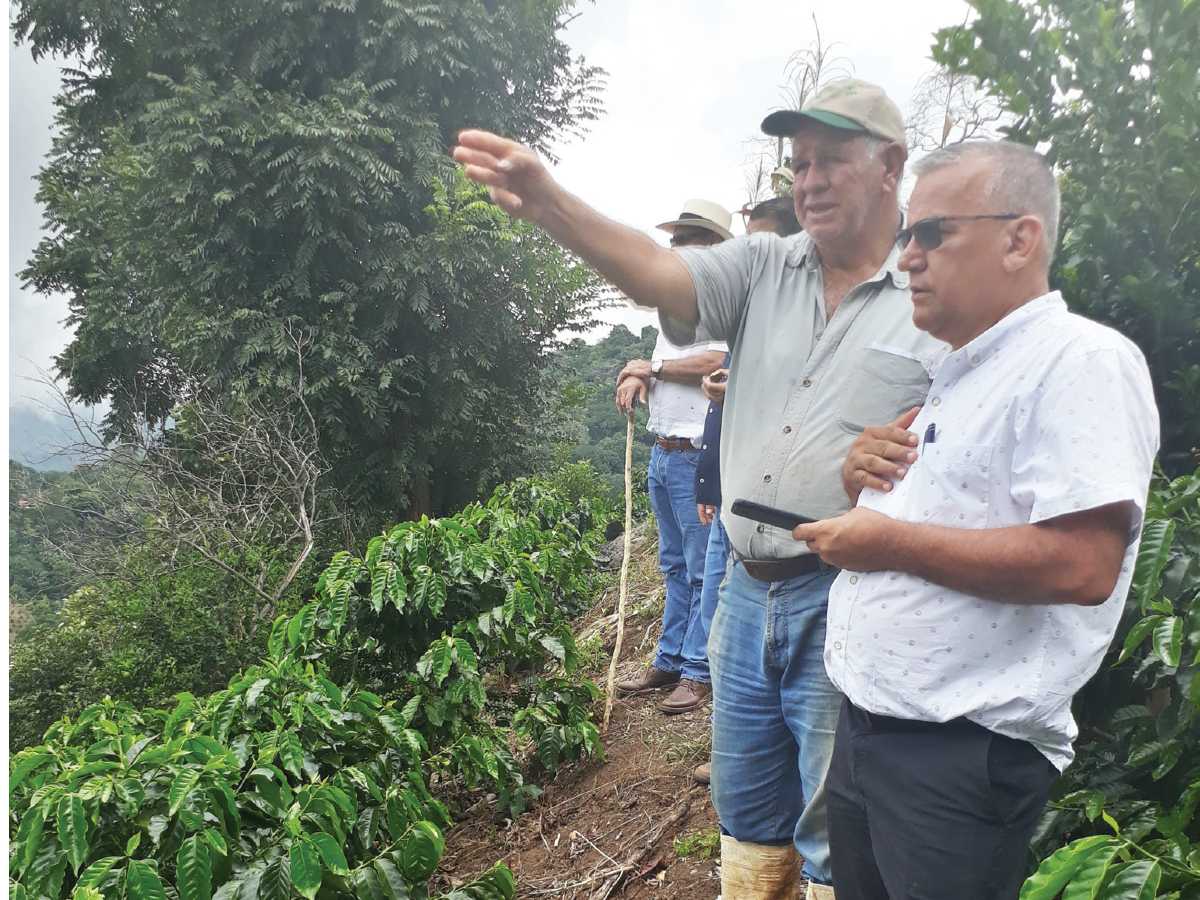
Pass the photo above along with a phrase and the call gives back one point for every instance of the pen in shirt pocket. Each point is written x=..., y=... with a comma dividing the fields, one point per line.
x=930, y=434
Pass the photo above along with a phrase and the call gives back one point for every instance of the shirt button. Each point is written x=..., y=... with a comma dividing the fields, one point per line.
x=767, y=479
x=854, y=579
x=837, y=645
x=807, y=382
x=705, y=447
x=936, y=401
x=787, y=429
x=761, y=528
x=702, y=481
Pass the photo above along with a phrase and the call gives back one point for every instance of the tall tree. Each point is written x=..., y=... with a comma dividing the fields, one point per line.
x=226, y=176
x=1112, y=89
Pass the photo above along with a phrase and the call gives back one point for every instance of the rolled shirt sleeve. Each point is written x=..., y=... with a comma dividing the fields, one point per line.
x=722, y=275
x=1087, y=436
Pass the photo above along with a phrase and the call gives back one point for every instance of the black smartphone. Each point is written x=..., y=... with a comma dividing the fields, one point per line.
x=768, y=515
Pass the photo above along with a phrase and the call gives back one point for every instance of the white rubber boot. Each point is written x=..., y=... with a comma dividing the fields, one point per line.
x=758, y=871
x=819, y=892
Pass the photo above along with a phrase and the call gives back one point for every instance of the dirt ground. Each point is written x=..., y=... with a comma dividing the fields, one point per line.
x=633, y=825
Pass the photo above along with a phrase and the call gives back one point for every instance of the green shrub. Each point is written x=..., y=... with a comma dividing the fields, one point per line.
x=1126, y=809
x=298, y=777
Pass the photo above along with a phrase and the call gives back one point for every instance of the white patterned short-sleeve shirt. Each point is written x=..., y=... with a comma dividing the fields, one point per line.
x=1044, y=414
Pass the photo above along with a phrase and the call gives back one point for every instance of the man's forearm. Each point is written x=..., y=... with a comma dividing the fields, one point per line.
x=647, y=273
x=1044, y=563
x=690, y=369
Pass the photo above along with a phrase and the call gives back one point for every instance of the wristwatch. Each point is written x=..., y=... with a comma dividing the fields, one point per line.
x=655, y=368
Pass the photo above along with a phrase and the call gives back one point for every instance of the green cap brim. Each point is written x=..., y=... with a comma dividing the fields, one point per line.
x=786, y=122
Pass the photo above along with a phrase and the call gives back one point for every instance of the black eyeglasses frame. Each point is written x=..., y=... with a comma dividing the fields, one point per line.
x=932, y=228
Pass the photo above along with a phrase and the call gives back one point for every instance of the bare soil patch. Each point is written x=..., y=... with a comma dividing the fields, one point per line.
x=610, y=828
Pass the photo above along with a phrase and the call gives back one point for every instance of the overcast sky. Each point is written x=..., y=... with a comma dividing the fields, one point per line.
x=688, y=83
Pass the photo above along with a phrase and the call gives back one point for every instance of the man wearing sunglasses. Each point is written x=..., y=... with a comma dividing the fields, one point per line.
x=821, y=332
x=986, y=565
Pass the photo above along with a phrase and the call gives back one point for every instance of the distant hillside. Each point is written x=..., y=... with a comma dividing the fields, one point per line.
x=35, y=439
x=588, y=375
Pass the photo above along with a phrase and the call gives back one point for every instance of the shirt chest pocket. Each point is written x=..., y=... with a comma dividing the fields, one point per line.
x=951, y=484
x=882, y=383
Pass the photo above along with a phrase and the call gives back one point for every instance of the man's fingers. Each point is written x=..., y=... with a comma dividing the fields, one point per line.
x=806, y=532
x=865, y=479
x=889, y=449
x=907, y=418
x=468, y=157
x=506, y=200
x=497, y=146
x=484, y=175
x=643, y=393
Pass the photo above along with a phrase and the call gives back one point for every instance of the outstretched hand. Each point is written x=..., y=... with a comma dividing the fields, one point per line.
x=514, y=175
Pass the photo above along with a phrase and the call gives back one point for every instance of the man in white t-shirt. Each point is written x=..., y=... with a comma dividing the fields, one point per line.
x=985, y=568
x=671, y=383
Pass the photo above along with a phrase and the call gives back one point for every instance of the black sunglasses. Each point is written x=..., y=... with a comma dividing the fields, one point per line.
x=928, y=232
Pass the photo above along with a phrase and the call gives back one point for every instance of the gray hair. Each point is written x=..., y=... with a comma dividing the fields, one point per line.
x=1020, y=180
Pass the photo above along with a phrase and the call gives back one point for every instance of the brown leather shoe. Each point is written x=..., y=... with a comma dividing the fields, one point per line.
x=702, y=774
x=688, y=696
x=650, y=680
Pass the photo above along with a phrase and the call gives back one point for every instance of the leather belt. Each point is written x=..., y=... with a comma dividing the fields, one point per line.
x=675, y=443
x=783, y=569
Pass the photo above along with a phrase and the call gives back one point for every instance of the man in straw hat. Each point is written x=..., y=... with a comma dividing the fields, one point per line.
x=823, y=344
x=670, y=381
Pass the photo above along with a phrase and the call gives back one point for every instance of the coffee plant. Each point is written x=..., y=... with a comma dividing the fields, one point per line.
x=438, y=663
x=1124, y=823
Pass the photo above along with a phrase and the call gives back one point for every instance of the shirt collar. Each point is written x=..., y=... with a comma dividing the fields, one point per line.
x=983, y=346
x=804, y=253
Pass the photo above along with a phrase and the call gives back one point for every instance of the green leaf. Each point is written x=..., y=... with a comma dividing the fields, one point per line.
x=421, y=850
x=193, y=869
x=216, y=841
x=366, y=884
x=276, y=881
x=142, y=882
x=291, y=754
x=98, y=872
x=390, y=879
x=1153, y=554
x=331, y=853
x=255, y=690
x=82, y=892
x=181, y=788
x=24, y=763
x=554, y=647
x=29, y=835
x=1168, y=640
x=1136, y=881
x=182, y=710
x=72, y=830
x=131, y=845
x=1057, y=870
x=1086, y=883
x=277, y=642
x=305, y=868
x=1136, y=635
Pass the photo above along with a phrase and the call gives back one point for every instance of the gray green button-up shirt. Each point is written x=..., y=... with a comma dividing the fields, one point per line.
x=801, y=388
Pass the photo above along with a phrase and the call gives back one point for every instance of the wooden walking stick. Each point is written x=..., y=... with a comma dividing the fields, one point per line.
x=612, y=666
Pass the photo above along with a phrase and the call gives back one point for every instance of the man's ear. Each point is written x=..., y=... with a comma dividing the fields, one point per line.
x=1024, y=237
x=893, y=156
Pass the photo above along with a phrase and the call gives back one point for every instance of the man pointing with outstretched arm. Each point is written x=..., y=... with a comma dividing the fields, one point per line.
x=820, y=328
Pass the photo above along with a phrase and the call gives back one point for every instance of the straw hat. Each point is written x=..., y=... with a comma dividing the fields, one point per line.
x=702, y=214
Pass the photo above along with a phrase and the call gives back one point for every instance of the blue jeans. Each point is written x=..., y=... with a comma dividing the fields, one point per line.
x=682, y=542
x=716, y=559
x=774, y=713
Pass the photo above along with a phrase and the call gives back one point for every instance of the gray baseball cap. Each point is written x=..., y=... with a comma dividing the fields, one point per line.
x=847, y=103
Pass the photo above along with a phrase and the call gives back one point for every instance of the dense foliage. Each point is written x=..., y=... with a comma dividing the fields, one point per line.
x=586, y=375
x=141, y=638
x=35, y=510
x=298, y=778
x=1131, y=798
x=1113, y=89
x=226, y=176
